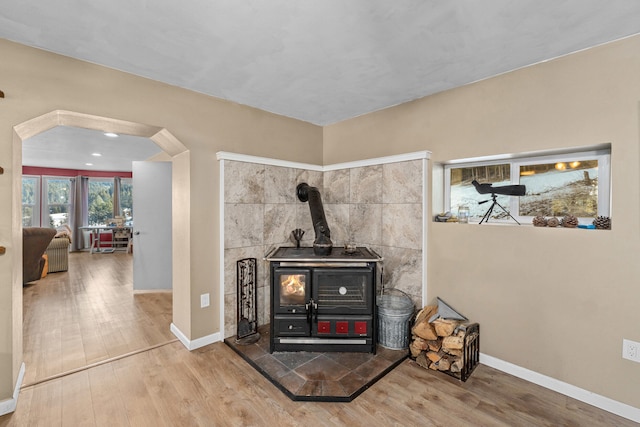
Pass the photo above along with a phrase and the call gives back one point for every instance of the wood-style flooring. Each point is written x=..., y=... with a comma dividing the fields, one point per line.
x=213, y=386
x=89, y=314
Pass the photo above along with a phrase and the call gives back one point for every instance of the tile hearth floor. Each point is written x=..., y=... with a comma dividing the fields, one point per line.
x=318, y=376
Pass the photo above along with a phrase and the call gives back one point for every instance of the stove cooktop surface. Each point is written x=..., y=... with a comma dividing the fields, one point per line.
x=361, y=253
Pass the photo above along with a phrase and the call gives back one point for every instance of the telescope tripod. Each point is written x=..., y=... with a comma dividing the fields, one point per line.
x=489, y=211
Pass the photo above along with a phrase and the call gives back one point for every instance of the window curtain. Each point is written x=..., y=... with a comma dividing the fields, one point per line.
x=79, y=210
x=117, y=211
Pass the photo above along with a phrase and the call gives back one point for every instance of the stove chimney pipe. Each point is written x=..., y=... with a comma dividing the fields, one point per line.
x=322, y=245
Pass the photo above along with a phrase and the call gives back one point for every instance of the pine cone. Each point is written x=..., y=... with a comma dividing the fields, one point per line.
x=602, y=223
x=570, y=221
x=553, y=222
x=539, y=221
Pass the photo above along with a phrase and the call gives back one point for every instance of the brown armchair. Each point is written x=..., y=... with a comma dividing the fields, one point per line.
x=34, y=242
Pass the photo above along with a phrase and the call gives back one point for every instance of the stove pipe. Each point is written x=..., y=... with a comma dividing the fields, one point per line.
x=322, y=245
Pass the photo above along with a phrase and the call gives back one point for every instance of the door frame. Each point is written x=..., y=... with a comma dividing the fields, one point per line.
x=180, y=195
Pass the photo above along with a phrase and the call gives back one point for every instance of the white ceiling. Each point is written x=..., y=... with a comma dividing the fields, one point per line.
x=320, y=61
x=72, y=148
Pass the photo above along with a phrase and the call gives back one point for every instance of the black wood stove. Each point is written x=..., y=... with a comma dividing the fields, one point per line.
x=323, y=302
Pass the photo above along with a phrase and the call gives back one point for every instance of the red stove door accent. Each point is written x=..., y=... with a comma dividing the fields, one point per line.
x=291, y=290
x=324, y=327
x=360, y=327
x=342, y=327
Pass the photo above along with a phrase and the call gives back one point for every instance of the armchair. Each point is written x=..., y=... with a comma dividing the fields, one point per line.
x=34, y=242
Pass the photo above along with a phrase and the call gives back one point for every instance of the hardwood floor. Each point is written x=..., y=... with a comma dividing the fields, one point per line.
x=213, y=386
x=89, y=314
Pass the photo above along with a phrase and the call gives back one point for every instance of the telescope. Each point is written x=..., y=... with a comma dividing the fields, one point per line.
x=504, y=190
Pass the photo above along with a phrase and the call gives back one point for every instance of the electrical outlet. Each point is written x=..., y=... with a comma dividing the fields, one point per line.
x=631, y=350
x=204, y=300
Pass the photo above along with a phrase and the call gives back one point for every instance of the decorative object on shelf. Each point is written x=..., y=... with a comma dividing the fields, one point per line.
x=350, y=248
x=569, y=221
x=553, y=222
x=297, y=235
x=602, y=223
x=539, y=221
x=463, y=214
x=443, y=217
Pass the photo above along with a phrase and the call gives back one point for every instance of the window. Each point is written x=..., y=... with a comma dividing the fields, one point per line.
x=57, y=201
x=126, y=200
x=30, y=201
x=47, y=200
x=574, y=183
x=100, y=200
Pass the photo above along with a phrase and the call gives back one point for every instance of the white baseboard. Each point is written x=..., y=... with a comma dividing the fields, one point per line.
x=9, y=405
x=197, y=343
x=593, y=399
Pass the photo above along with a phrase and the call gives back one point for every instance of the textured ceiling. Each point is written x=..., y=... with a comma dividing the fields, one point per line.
x=317, y=61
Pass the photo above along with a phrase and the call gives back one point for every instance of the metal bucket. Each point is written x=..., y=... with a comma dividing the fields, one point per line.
x=394, y=316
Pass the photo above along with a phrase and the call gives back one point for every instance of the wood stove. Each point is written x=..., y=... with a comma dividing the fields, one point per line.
x=323, y=302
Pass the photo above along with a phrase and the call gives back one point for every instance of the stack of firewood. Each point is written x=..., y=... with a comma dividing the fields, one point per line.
x=439, y=344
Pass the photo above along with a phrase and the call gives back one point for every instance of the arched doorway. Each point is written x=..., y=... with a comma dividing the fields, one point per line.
x=179, y=155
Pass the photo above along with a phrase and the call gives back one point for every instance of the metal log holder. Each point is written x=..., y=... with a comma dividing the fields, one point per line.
x=247, y=312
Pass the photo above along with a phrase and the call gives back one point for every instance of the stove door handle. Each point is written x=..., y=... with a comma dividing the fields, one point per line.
x=312, y=311
x=315, y=311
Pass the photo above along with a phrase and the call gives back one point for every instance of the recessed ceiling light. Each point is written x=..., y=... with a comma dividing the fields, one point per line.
x=88, y=164
x=111, y=134
x=96, y=154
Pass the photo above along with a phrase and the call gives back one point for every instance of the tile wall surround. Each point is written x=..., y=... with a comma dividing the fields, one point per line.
x=379, y=206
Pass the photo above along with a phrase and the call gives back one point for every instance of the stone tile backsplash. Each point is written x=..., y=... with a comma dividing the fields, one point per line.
x=377, y=206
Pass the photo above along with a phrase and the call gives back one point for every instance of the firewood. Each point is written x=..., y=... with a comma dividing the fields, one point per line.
x=426, y=313
x=420, y=343
x=415, y=352
x=453, y=352
x=423, y=361
x=425, y=330
x=434, y=345
x=443, y=364
x=455, y=343
x=456, y=366
x=433, y=356
x=444, y=327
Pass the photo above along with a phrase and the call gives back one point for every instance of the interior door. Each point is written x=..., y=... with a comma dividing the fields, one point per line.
x=152, y=255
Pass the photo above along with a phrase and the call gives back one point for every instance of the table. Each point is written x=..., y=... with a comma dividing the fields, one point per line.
x=123, y=231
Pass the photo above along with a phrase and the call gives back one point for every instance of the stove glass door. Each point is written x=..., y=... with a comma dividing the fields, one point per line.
x=343, y=290
x=291, y=290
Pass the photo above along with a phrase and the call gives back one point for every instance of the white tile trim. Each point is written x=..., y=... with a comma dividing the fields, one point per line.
x=221, y=265
x=593, y=399
x=425, y=224
x=9, y=405
x=197, y=343
x=225, y=155
x=379, y=161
